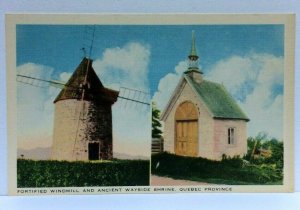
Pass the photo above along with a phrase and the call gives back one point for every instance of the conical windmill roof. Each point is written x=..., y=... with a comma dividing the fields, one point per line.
x=84, y=84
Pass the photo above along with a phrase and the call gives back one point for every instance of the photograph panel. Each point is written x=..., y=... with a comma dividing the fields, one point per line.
x=221, y=111
x=83, y=107
x=150, y=104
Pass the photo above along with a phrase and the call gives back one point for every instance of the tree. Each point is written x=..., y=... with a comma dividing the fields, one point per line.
x=255, y=144
x=277, y=152
x=156, y=124
x=262, y=143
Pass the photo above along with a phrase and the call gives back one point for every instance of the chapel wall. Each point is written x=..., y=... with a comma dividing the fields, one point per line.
x=205, y=124
x=239, y=146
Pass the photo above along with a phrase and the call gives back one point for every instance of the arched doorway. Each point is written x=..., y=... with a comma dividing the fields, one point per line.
x=186, y=130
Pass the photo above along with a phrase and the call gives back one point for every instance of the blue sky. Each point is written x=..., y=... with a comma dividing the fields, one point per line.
x=59, y=46
x=247, y=59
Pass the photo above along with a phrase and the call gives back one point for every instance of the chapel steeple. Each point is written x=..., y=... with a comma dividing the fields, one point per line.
x=193, y=54
x=193, y=70
x=193, y=57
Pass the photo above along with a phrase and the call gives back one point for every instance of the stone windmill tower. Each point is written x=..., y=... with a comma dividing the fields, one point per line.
x=83, y=117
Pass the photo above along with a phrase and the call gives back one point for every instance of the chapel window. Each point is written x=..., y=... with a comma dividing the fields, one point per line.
x=230, y=135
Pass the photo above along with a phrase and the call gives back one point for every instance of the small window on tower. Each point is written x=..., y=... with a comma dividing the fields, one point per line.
x=230, y=135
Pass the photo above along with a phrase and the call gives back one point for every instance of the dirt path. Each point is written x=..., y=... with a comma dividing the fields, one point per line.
x=165, y=181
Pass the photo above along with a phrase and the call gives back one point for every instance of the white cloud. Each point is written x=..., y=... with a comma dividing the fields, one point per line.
x=35, y=108
x=251, y=80
x=36, y=70
x=65, y=76
x=167, y=85
x=242, y=69
x=127, y=66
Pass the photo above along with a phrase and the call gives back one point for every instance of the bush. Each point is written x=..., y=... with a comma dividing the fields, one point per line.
x=32, y=173
x=229, y=170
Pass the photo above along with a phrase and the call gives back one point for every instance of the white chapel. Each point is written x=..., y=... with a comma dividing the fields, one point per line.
x=202, y=119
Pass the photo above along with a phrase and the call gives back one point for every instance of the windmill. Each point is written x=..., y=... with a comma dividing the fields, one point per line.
x=83, y=113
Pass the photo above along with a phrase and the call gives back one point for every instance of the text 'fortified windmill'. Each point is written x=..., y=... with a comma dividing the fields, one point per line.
x=83, y=117
x=202, y=119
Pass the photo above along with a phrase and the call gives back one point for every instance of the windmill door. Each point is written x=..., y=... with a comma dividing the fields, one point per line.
x=186, y=130
x=94, y=151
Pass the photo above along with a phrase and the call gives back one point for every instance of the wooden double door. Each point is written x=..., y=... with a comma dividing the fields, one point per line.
x=186, y=130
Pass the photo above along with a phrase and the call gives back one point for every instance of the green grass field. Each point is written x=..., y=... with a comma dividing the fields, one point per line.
x=235, y=171
x=32, y=173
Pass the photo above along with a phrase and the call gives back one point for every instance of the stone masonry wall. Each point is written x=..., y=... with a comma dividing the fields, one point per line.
x=76, y=123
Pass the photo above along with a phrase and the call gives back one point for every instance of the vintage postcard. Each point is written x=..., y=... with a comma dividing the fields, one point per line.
x=142, y=103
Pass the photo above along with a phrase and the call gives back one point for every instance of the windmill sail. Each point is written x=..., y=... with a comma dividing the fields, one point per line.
x=37, y=82
x=135, y=96
x=127, y=94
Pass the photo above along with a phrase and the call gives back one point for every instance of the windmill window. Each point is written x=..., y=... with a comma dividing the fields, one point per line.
x=231, y=134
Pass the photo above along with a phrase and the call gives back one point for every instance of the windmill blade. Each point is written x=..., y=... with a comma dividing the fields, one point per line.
x=30, y=81
x=57, y=84
x=134, y=96
x=37, y=82
x=127, y=94
x=136, y=101
x=42, y=83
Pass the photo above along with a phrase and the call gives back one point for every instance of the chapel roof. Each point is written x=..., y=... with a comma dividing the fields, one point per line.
x=85, y=83
x=217, y=99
